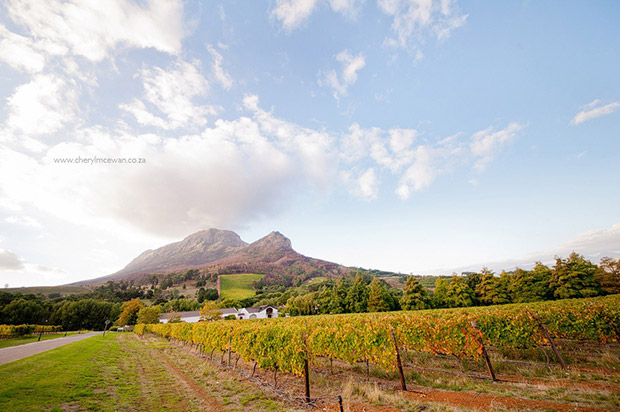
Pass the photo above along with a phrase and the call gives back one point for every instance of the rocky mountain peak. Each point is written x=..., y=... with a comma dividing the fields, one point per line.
x=275, y=241
x=196, y=249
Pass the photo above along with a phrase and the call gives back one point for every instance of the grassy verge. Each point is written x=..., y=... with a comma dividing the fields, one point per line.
x=61, y=378
x=238, y=286
x=122, y=372
x=22, y=340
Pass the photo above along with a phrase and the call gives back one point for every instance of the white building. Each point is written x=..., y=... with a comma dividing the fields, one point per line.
x=189, y=317
x=261, y=312
x=228, y=311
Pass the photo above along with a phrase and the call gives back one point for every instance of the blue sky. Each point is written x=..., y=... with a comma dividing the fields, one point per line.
x=416, y=136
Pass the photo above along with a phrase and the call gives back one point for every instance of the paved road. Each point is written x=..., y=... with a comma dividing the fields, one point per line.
x=14, y=353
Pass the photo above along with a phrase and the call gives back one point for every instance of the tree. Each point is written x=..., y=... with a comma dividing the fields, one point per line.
x=440, y=294
x=323, y=299
x=303, y=305
x=473, y=279
x=458, y=293
x=209, y=312
x=531, y=285
x=338, y=302
x=573, y=277
x=25, y=311
x=175, y=318
x=608, y=275
x=148, y=315
x=207, y=294
x=415, y=296
x=377, y=301
x=357, y=297
x=129, y=312
x=486, y=289
x=503, y=291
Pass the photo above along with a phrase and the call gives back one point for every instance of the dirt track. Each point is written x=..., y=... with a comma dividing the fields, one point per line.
x=14, y=353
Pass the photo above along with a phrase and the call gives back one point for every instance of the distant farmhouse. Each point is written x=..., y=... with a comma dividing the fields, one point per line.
x=260, y=312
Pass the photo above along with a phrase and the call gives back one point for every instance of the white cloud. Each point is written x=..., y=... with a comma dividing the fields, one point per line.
x=10, y=261
x=418, y=164
x=33, y=275
x=292, y=13
x=313, y=150
x=171, y=92
x=364, y=186
x=225, y=176
x=593, y=245
x=17, y=272
x=42, y=106
x=412, y=19
x=428, y=162
x=92, y=28
x=23, y=221
x=340, y=82
x=220, y=74
x=486, y=143
x=19, y=52
x=593, y=110
x=421, y=173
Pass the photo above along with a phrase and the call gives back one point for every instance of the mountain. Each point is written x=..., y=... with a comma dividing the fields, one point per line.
x=274, y=256
x=195, y=250
x=223, y=251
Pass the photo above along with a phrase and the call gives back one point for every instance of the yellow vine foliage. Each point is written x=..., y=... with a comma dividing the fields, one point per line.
x=286, y=343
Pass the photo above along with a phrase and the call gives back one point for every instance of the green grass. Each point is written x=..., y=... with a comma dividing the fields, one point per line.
x=22, y=340
x=122, y=372
x=238, y=286
x=61, y=378
x=317, y=279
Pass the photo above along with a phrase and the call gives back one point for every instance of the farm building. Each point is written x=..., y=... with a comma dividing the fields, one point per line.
x=189, y=317
x=260, y=312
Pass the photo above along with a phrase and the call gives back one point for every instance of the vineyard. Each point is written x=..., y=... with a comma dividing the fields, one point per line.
x=11, y=331
x=291, y=344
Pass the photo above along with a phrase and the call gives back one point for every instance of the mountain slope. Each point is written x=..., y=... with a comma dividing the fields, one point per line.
x=274, y=256
x=195, y=250
x=223, y=251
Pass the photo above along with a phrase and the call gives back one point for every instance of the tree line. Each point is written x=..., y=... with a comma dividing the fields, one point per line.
x=71, y=314
x=362, y=291
x=572, y=277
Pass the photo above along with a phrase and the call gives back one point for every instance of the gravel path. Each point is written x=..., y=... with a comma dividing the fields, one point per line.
x=14, y=353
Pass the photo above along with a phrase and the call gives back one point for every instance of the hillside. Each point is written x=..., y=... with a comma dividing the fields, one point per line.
x=274, y=256
x=49, y=290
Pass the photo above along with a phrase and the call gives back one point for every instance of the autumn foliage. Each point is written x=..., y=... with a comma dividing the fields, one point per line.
x=286, y=343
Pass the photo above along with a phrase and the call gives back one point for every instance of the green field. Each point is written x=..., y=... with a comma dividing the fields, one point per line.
x=238, y=286
x=123, y=373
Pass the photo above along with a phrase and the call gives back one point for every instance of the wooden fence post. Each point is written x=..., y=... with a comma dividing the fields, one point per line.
x=229, y=347
x=485, y=355
x=403, y=384
x=551, y=341
x=307, y=376
x=306, y=370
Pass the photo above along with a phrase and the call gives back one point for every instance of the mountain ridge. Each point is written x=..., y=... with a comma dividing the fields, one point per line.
x=223, y=251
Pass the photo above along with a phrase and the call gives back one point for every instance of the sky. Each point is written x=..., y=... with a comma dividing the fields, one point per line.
x=415, y=136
